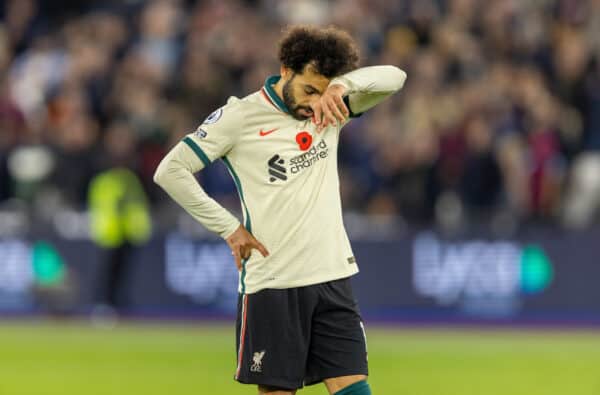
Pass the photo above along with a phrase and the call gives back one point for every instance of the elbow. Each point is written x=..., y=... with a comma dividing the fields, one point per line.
x=399, y=77
x=159, y=175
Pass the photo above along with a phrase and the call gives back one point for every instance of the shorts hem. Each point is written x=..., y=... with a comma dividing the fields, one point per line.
x=272, y=382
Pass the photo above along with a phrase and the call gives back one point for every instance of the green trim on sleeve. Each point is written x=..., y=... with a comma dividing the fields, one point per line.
x=248, y=223
x=197, y=150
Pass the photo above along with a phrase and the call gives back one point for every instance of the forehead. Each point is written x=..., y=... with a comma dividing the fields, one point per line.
x=310, y=77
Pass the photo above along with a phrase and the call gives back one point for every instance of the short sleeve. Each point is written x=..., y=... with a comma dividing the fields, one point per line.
x=217, y=135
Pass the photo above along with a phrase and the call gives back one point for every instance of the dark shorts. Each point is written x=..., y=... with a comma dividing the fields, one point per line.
x=287, y=338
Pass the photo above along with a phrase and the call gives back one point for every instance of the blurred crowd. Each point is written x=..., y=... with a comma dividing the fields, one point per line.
x=499, y=119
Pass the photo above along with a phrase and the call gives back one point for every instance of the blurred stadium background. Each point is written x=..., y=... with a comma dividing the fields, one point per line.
x=472, y=197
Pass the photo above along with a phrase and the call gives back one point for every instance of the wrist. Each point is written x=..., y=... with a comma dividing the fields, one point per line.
x=230, y=230
x=339, y=85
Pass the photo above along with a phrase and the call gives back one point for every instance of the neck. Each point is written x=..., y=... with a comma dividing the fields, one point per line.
x=278, y=88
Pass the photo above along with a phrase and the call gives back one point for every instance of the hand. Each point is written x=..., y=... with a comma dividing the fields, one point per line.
x=330, y=107
x=241, y=243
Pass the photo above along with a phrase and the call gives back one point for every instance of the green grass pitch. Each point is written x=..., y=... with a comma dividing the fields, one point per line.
x=38, y=358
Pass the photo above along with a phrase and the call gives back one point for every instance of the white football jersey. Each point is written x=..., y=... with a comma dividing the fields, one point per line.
x=287, y=178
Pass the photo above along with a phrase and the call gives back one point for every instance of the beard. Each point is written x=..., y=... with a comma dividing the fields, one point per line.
x=290, y=102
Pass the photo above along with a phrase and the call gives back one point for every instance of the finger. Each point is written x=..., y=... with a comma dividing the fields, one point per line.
x=245, y=252
x=329, y=117
x=332, y=117
x=261, y=248
x=317, y=112
x=336, y=112
x=325, y=115
x=342, y=105
x=321, y=120
x=324, y=123
x=237, y=258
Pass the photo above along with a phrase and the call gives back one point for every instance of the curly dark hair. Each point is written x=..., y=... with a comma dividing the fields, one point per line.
x=331, y=51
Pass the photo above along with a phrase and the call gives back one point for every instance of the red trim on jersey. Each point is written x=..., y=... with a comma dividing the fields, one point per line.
x=268, y=98
x=242, y=336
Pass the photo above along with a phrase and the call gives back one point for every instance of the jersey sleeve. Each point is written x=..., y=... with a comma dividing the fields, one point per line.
x=175, y=174
x=217, y=135
x=368, y=86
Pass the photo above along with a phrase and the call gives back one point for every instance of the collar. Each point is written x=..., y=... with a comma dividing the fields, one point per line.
x=271, y=95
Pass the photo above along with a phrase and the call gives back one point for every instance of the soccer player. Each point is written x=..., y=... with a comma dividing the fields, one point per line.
x=298, y=322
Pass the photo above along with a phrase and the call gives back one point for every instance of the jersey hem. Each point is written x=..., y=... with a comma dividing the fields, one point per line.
x=300, y=283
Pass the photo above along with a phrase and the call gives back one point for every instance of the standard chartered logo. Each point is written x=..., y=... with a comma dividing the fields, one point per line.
x=307, y=159
x=478, y=273
x=278, y=170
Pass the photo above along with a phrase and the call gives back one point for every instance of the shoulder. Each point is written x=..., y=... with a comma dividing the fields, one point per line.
x=246, y=109
x=253, y=103
x=236, y=107
x=236, y=114
x=228, y=115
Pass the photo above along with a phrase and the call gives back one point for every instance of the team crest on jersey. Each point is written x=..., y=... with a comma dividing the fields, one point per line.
x=256, y=366
x=201, y=133
x=213, y=117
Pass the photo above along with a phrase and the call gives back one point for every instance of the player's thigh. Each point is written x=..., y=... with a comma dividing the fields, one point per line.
x=336, y=384
x=338, y=343
x=273, y=333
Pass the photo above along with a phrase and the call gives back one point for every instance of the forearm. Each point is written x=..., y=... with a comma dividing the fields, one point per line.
x=175, y=176
x=368, y=86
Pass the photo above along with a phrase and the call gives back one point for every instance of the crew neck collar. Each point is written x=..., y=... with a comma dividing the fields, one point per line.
x=272, y=96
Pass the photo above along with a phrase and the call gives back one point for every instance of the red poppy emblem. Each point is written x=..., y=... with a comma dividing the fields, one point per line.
x=304, y=140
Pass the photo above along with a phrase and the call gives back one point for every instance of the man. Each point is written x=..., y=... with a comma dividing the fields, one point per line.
x=298, y=322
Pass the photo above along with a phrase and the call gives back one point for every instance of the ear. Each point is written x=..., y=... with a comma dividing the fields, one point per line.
x=285, y=72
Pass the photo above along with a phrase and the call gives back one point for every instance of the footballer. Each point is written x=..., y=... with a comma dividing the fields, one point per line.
x=298, y=322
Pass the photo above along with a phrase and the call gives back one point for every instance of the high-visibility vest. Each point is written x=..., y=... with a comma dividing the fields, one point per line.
x=119, y=209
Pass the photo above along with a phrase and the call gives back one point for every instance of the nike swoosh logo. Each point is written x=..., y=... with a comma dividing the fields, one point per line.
x=263, y=133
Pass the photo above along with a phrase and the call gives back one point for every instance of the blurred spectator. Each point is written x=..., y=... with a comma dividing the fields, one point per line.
x=500, y=114
x=120, y=221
